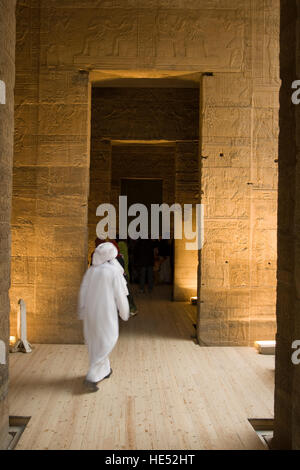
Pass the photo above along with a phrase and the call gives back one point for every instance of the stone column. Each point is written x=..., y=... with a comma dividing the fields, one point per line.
x=100, y=184
x=51, y=180
x=186, y=192
x=7, y=79
x=225, y=193
x=287, y=379
x=238, y=190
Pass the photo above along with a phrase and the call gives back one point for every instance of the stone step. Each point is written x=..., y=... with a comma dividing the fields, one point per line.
x=265, y=347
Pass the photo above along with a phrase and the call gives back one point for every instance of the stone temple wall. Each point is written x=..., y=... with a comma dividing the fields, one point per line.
x=145, y=113
x=287, y=379
x=59, y=42
x=239, y=190
x=7, y=77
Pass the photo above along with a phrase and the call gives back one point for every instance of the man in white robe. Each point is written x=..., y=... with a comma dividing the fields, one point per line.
x=103, y=294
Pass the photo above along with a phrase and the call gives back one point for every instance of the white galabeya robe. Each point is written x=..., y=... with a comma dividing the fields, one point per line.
x=103, y=294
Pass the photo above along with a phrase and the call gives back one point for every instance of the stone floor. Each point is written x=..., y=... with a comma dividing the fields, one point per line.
x=166, y=392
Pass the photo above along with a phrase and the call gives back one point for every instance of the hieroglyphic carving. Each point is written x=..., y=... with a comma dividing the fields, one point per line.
x=23, y=31
x=189, y=36
x=58, y=40
x=67, y=35
x=227, y=123
x=197, y=36
x=170, y=34
x=271, y=36
x=110, y=35
x=120, y=113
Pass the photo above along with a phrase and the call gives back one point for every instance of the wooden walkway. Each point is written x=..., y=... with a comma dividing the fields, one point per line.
x=166, y=392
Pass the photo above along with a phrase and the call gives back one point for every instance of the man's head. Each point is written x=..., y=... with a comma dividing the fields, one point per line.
x=104, y=252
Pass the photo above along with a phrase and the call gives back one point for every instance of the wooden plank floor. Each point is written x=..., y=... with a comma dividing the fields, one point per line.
x=166, y=392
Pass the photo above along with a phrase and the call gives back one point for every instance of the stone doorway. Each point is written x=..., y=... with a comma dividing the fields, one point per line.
x=147, y=127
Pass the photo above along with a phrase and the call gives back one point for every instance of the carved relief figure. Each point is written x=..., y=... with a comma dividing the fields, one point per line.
x=106, y=33
x=22, y=128
x=58, y=45
x=170, y=31
x=22, y=32
x=271, y=41
x=234, y=35
x=95, y=35
x=121, y=29
x=195, y=38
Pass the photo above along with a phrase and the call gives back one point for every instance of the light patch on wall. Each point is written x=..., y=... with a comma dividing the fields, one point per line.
x=2, y=353
x=2, y=92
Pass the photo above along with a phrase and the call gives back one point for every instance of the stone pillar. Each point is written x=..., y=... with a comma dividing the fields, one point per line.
x=287, y=379
x=238, y=190
x=7, y=79
x=100, y=184
x=225, y=193
x=186, y=192
x=25, y=176
x=51, y=181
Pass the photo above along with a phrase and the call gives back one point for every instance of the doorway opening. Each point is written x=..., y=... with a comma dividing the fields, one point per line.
x=142, y=191
x=148, y=192
x=145, y=144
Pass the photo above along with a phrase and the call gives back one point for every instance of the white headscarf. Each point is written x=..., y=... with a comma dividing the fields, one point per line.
x=106, y=252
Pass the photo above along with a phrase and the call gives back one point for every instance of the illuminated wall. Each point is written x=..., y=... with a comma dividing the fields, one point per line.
x=59, y=43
